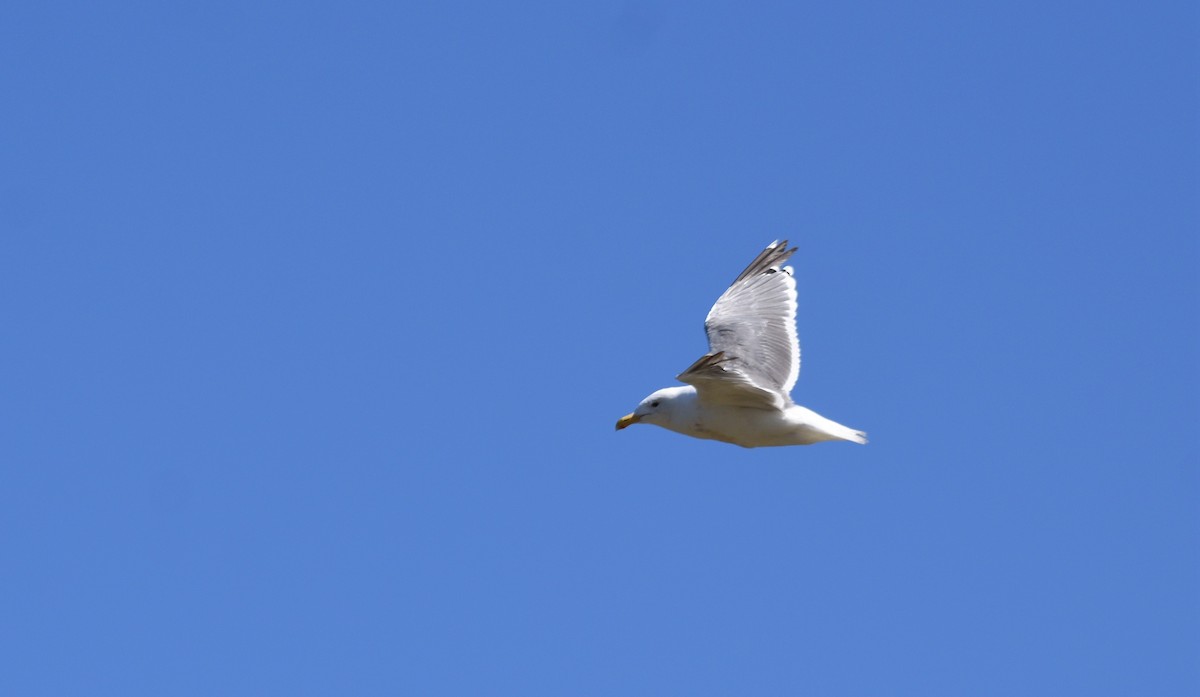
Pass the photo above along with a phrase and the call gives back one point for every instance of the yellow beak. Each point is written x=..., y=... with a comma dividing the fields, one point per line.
x=627, y=420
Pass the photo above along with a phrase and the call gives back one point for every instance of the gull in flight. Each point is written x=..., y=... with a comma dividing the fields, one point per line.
x=740, y=391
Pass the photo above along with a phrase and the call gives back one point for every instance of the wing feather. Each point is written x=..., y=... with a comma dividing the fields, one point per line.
x=717, y=378
x=752, y=333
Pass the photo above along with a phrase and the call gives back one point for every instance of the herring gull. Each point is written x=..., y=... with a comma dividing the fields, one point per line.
x=740, y=391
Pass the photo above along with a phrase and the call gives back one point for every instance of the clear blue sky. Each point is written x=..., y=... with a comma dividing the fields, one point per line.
x=317, y=319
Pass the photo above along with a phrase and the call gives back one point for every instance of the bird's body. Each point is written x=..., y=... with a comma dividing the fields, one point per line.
x=739, y=392
x=748, y=427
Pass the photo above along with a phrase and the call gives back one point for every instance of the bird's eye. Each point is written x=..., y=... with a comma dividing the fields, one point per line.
x=654, y=403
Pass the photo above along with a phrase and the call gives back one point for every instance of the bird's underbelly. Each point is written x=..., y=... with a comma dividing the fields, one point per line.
x=746, y=427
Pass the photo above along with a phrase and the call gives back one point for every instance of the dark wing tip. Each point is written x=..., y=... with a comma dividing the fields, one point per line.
x=774, y=255
x=706, y=363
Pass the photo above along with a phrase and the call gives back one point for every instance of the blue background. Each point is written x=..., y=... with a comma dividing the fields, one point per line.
x=317, y=318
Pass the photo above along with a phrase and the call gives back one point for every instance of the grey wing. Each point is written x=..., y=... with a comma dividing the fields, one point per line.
x=720, y=379
x=754, y=356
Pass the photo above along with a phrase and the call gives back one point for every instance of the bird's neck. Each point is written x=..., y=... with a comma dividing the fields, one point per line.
x=683, y=409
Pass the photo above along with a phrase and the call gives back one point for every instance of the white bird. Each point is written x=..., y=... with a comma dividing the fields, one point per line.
x=740, y=391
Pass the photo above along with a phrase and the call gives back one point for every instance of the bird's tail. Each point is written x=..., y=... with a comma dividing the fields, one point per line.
x=840, y=432
x=820, y=428
x=859, y=437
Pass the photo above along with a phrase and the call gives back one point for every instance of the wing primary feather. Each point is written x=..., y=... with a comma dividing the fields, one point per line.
x=704, y=363
x=772, y=256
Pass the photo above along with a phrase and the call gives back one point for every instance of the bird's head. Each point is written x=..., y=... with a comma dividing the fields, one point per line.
x=656, y=409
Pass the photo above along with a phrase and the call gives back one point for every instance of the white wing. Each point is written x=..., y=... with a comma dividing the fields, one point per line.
x=754, y=356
